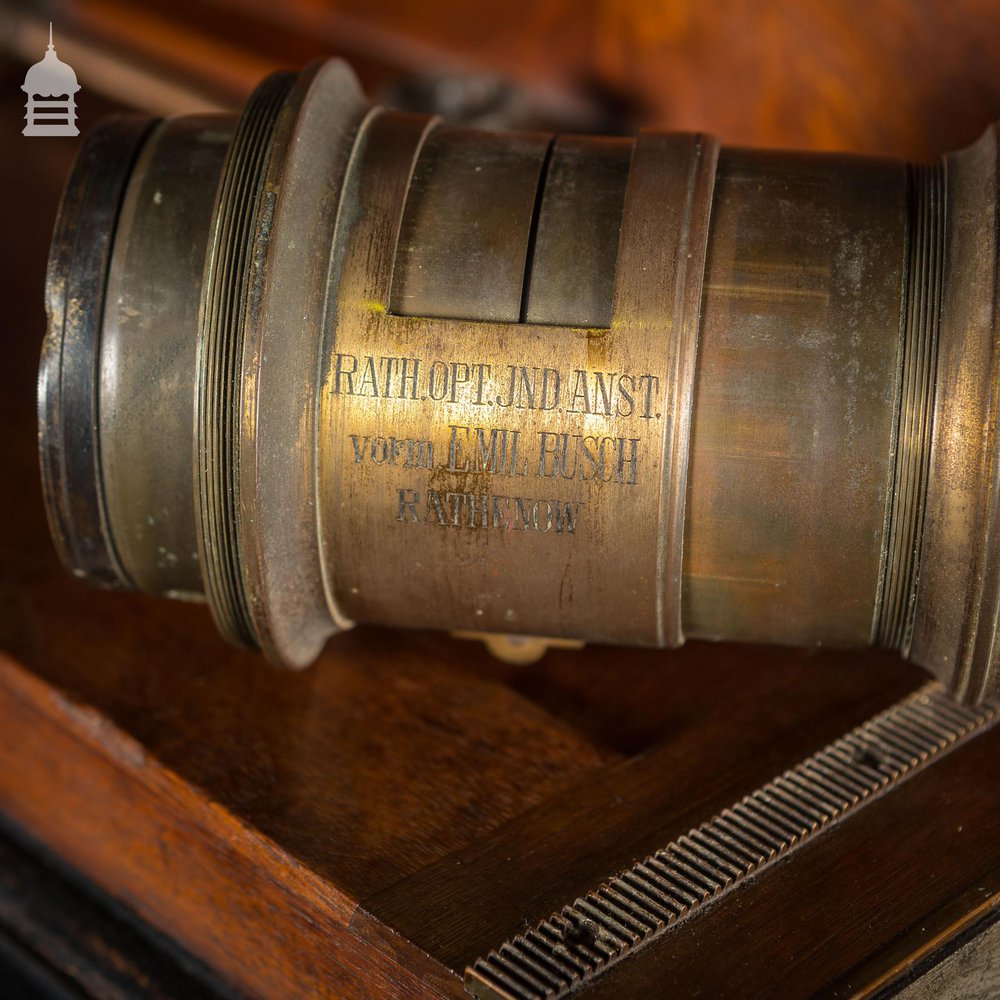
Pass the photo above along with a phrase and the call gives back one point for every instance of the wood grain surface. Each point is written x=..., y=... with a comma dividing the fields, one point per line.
x=910, y=79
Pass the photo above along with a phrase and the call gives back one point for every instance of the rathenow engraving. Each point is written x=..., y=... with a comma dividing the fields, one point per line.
x=481, y=510
x=543, y=455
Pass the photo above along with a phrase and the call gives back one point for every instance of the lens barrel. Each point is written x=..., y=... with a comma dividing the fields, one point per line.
x=324, y=363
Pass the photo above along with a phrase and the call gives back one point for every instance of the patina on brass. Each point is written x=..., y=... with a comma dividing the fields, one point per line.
x=327, y=363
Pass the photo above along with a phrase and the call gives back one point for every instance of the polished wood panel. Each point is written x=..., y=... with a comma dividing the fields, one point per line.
x=888, y=76
x=57, y=936
x=607, y=820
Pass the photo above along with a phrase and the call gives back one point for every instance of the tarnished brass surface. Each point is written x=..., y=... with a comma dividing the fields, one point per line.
x=374, y=367
x=797, y=386
x=147, y=353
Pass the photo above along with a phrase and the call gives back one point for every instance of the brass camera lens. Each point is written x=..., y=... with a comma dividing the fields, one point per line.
x=324, y=362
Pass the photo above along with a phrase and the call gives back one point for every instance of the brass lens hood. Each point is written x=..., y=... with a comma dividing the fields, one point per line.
x=324, y=362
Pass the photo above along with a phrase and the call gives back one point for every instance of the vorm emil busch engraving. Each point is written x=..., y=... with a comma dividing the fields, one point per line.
x=498, y=451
